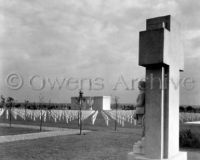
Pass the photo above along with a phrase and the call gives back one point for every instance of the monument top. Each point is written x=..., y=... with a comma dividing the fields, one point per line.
x=158, y=22
x=161, y=43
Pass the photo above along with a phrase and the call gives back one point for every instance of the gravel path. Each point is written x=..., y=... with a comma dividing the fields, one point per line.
x=49, y=132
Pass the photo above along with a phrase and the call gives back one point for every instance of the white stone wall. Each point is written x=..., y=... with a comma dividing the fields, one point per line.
x=106, y=103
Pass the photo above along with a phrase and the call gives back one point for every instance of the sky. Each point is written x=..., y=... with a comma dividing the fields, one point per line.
x=91, y=44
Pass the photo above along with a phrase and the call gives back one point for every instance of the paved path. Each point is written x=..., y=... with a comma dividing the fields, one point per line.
x=194, y=122
x=49, y=132
x=34, y=127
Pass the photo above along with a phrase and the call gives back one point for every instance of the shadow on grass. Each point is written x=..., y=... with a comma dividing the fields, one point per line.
x=188, y=139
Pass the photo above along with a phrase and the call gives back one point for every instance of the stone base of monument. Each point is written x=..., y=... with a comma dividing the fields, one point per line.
x=138, y=146
x=137, y=156
x=138, y=153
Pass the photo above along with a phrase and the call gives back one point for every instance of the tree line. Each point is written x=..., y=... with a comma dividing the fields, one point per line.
x=10, y=102
x=189, y=109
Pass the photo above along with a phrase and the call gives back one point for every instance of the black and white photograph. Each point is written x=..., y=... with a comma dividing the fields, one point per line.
x=99, y=80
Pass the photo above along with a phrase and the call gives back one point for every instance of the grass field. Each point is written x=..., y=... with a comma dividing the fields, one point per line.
x=190, y=136
x=96, y=145
x=102, y=143
x=14, y=131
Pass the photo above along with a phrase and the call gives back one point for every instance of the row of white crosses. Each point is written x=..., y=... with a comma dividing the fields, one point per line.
x=69, y=115
x=2, y=111
x=33, y=114
x=106, y=118
x=56, y=115
x=23, y=114
x=120, y=119
x=122, y=116
x=94, y=116
x=86, y=113
x=189, y=117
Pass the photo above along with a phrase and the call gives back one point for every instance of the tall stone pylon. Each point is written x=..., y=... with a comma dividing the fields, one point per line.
x=161, y=53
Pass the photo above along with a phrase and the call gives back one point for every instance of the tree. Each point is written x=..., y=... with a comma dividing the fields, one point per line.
x=40, y=107
x=90, y=102
x=189, y=109
x=182, y=109
x=26, y=102
x=10, y=102
x=3, y=101
x=80, y=100
x=116, y=112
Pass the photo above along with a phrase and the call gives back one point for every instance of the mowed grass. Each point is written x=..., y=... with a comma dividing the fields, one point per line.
x=195, y=129
x=96, y=145
x=14, y=131
x=103, y=143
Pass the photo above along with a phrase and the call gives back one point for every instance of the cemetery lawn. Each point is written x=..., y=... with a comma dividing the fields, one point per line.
x=14, y=131
x=95, y=145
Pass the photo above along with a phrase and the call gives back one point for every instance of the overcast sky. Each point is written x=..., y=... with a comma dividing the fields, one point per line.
x=87, y=39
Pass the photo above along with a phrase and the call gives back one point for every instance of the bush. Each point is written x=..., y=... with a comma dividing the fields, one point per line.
x=181, y=109
x=189, y=139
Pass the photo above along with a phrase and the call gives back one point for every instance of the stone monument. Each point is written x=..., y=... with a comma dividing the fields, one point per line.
x=161, y=53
